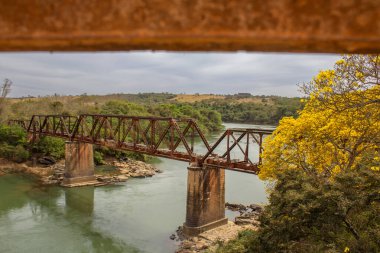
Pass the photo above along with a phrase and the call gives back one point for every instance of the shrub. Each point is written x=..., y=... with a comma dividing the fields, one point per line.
x=307, y=214
x=12, y=135
x=239, y=245
x=51, y=146
x=104, y=151
x=20, y=154
x=14, y=153
x=98, y=158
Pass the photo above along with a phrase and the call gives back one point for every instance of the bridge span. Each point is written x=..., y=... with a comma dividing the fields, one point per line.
x=237, y=149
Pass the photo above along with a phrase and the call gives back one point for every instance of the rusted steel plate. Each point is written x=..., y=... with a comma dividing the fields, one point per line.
x=191, y=25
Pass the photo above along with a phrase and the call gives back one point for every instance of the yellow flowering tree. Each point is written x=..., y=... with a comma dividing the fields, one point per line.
x=339, y=127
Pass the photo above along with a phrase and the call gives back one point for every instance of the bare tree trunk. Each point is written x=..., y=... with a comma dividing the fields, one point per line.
x=5, y=89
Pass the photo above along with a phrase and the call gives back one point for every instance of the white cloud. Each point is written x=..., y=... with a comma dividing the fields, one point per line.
x=104, y=73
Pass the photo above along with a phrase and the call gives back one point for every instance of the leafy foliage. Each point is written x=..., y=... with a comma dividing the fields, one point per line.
x=14, y=153
x=101, y=152
x=123, y=108
x=12, y=143
x=338, y=128
x=229, y=108
x=241, y=244
x=98, y=158
x=309, y=215
x=266, y=110
x=51, y=146
x=14, y=135
x=325, y=167
x=208, y=120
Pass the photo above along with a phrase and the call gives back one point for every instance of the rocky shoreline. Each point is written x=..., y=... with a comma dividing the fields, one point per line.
x=210, y=240
x=53, y=174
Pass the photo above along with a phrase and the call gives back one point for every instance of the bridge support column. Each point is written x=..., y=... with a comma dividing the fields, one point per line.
x=79, y=164
x=205, y=200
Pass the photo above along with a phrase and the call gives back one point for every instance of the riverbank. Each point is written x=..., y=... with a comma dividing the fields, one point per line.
x=116, y=171
x=210, y=240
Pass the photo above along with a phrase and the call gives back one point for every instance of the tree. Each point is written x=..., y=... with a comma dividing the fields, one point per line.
x=56, y=107
x=307, y=215
x=325, y=167
x=5, y=89
x=339, y=127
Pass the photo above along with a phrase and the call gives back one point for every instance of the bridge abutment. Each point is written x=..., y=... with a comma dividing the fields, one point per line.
x=79, y=164
x=205, y=207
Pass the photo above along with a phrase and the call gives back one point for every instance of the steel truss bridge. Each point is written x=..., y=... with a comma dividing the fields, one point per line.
x=236, y=149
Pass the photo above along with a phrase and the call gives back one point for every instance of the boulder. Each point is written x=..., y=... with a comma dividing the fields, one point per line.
x=122, y=178
x=236, y=207
x=256, y=208
x=47, y=160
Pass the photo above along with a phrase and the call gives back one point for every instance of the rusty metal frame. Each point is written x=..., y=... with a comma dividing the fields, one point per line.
x=157, y=136
x=245, y=164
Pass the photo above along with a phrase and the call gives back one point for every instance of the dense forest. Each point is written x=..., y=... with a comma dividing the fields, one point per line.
x=258, y=110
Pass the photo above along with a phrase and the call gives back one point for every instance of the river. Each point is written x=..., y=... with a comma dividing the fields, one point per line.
x=136, y=216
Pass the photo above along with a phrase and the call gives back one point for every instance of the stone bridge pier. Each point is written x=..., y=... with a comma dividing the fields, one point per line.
x=79, y=164
x=205, y=207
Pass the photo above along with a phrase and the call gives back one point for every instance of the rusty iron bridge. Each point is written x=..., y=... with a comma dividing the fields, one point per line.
x=157, y=136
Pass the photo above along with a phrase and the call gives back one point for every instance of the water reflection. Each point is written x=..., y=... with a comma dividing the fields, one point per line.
x=12, y=193
x=79, y=211
x=136, y=216
x=80, y=200
x=51, y=219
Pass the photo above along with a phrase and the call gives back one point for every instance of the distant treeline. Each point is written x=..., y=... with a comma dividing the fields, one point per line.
x=207, y=119
x=261, y=110
x=208, y=109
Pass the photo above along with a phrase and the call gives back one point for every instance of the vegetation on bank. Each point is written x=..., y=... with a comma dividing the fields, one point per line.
x=13, y=144
x=208, y=110
x=15, y=147
x=207, y=119
x=258, y=110
x=306, y=215
x=325, y=168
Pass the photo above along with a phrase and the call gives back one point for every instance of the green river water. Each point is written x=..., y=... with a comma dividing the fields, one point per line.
x=136, y=216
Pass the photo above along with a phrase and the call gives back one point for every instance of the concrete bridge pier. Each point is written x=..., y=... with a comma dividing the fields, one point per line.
x=79, y=164
x=205, y=207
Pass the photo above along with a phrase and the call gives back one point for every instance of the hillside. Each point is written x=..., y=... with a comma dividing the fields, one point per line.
x=241, y=108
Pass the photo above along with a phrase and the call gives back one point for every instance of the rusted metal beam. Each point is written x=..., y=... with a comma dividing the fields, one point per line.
x=111, y=131
x=333, y=26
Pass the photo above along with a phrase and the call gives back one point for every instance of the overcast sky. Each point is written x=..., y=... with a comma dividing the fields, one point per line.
x=105, y=73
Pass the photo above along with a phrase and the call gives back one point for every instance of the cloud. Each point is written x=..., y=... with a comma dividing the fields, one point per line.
x=104, y=73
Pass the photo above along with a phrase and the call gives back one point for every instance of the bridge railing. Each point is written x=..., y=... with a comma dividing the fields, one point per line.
x=237, y=148
x=21, y=123
x=52, y=125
